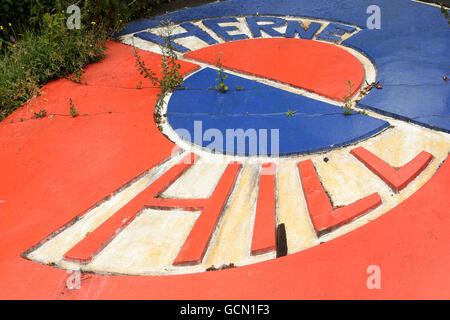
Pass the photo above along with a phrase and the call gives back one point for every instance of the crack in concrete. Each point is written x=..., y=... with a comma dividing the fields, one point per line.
x=212, y=88
x=17, y=121
x=432, y=115
x=259, y=114
x=413, y=85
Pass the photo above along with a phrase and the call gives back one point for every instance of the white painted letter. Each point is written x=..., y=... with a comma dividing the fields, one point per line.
x=374, y=20
x=374, y=281
x=74, y=21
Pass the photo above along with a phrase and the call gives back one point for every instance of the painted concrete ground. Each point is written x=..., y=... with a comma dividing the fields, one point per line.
x=145, y=214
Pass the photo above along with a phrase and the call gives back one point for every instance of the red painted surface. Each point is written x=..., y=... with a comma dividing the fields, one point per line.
x=96, y=240
x=264, y=228
x=320, y=209
x=315, y=66
x=195, y=246
x=54, y=169
x=396, y=178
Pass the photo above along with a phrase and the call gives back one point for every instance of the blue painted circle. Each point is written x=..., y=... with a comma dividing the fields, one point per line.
x=253, y=119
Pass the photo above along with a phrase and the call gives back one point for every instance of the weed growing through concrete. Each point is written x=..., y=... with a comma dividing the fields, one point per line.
x=347, y=99
x=40, y=114
x=77, y=76
x=347, y=112
x=72, y=111
x=221, y=76
x=364, y=112
x=170, y=77
x=290, y=113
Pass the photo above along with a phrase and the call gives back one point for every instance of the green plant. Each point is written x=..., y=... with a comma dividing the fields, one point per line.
x=290, y=113
x=171, y=77
x=363, y=112
x=40, y=114
x=347, y=99
x=7, y=36
x=36, y=46
x=55, y=52
x=77, y=76
x=221, y=76
x=72, y=111
x=26, y=15
x=238, y=88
